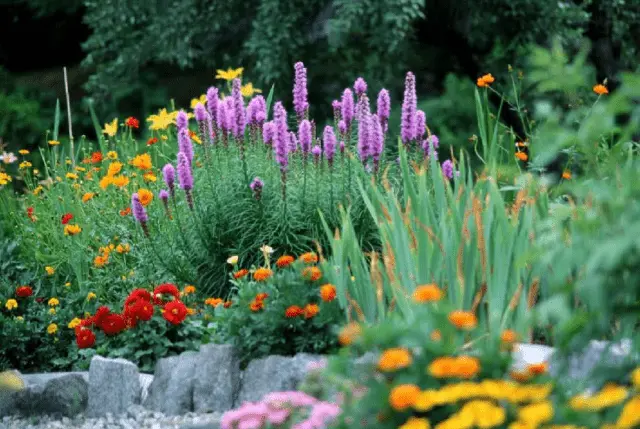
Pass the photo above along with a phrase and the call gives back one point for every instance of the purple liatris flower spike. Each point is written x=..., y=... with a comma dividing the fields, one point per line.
x=430, y=145
x=421, y=125
x=347, y=106
x=229, y=115
x=281, y=136
x=268, y=132
x=337, y=110
x=139, y=213
x=364, y=130
x=256, y=186
x=362, y=108
x=342, y=127
x=293, y=142
x=304, y=136
x=238, y=108
x=342, y=147
x=184, y=144
x=212, y=104
x=257, y=110
x=383, y=106
x=377, y=139
x=447, y=169
x=409, y=108
x=329, y=140
x=169, y=175
x=182, y=120
x=316, y=151
x=360, y=86
x=163, y=195
x=185, y=178
x=300, y=103
x=200, y=112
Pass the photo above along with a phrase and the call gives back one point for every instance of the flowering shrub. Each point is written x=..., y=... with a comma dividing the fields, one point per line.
x=279, y=309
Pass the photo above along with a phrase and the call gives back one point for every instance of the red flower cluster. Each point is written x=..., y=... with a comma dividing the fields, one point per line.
x=132, y=122
x=24, y=291
x=152, y=141
x=30, y=214
x=66, y=218
x=139, y=306
x=258, y=303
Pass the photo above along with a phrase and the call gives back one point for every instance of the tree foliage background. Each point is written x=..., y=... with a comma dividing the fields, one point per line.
x=138, y=54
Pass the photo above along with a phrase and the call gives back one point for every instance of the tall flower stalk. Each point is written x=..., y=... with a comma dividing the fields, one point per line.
x=304, y=137
x=300, y=103
x=185, y=178
x=281, y=145
x=409, y=109
x=329, y=141
x=348, y=112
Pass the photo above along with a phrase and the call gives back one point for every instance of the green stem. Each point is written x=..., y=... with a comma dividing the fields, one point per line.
x=304, y=180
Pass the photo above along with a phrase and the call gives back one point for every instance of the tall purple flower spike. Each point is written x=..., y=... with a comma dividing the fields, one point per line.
x=169, y=175
x=238, y=109
x=383, y=106
x=300, y=102
x=139, y=213
x=281, y=137
x=409, y=108
x=329, y=140
x=304, y=136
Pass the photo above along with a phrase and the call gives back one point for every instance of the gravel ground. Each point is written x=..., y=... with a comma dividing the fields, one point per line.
x=136, y=418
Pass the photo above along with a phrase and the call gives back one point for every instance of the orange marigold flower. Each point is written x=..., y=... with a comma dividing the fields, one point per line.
x=467, y=366
x=284, y=261
x=436, y=335
x=309, y=258
x=427, y=293
x=262, y=274
x=96, y=157
x=262, y=296
x=566, y=175
x=87, y=196
x=213, y=302
x=312, y=273
x=152, y=141
x=328, y=292
x=189, y=289
x=142, y=161
x=125, y=212
x=463, y=319
x=349, y=333
x=145, y=196
x=508, y=336
x=403, y=396
x=485, y=80
x=310, y=310
x=537, y=368
x=101, y=260
x=293, y=311
x=459, y=367
x=394, y=359
x=240, y=273
x=600, y=89
x=522, y=156
x=132, y=122
x=256, y=305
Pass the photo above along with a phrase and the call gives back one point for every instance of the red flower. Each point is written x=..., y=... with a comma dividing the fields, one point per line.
x=100, y=316
x=256, y=305
x=262, y=296
x=30, y=214
x=137, y=295
x=132, y=122
x=165, y=289
x=96, y=157
x=85, y=338
x=113, y=324
x=227, y=304
x=125, y=212
x=24, y=291
x=66, y=218
x=293, y=311
x=140, y=310
x=175, y=312
x=152, y=141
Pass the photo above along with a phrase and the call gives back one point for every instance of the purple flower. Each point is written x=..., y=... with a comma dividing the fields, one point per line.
x=347, y=107
x=256, y=183
x=281, y=135
x=212, y=105
x=342, y=147
x=257, y=110
x=238, y=107
x=184, y=144
x=200, y=112
x=409, y=107
x=383, y=106
x=430, y=144
x=377, y=137
x=447, y=169
x=229, y=115
x=360, y=87
x=137, y=209
x=169, y=175
x=329, y=139
x=300, y=103
x=337, y=109
x=185, y=178
x=304, y=136
x=342, y=127
x=293, y=142
x=364, y=131
x=362, y=108
x=164, y=195
x=421, y=125
x=182, y=120
x=316, y=152
x=268, y=132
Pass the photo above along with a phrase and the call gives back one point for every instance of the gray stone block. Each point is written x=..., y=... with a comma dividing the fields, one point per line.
x=171, y=391
x=114, y=386
x=216, y=378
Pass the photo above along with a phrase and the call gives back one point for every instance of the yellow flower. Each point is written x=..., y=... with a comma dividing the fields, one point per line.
x=123, y=248
x=81, y=169
x=54, y=142
x=202, y=100
x=24, y=164
x=53, y=302
x=11, y=304
x=36, y=190
x=248, y=90
x=149, y=177
x=68, y=162
x=112, y=154
x=71, y=176
x=535, y=414
x=50, y=270
x=23, y=152
x=75, y=322
x=610, y=395
x=120, y=181
x=229, y=74
x=72, y=230
x=161, y=121
x=105, y=182
x=52, y=311
x=630, y=415
x=143, y=161
x=4, y=179
x=232, y=260
x=146, y=196
x=52, y=329
x=163, y=137
x=20, y=318
x=111, y=129
x=91, y=296
x=416, y=423
x=76, y=186
x=114, y=168
x=635, y=377
x=68, y=284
